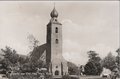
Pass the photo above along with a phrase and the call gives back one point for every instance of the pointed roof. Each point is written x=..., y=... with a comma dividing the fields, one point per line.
x=38, y=51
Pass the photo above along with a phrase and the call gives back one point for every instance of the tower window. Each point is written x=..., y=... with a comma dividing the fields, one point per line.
x=55, y=19
x=56, y=30
x=56, y=41
x=56, y=66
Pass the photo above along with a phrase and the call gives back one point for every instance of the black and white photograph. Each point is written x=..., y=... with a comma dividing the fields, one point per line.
x=60, y=39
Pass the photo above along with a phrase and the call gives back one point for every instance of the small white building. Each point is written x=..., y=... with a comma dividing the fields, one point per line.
x=105, y=72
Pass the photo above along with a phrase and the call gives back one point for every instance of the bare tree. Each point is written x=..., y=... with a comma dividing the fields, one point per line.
x=33, y=41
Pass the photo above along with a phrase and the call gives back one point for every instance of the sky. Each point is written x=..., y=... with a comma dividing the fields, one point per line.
x=86, y=25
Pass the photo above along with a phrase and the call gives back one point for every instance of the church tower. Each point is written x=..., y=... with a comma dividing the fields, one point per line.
x=54, y=59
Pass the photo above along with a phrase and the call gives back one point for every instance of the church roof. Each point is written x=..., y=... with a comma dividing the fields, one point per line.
x=38, y=51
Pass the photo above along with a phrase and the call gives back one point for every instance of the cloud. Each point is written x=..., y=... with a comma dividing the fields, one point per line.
x=72, y=49
x=75, y=57
x=78, y=40
x=72, y=52
x=103, y=49
x=21, y=48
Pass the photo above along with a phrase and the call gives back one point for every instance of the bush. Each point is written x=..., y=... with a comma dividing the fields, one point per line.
x=66, y=77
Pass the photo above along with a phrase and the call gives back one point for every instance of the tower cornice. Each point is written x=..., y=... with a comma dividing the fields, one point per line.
x=53, y=23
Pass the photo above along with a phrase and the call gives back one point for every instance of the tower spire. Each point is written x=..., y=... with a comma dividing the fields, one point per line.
x=54, y=4
x=54, y=13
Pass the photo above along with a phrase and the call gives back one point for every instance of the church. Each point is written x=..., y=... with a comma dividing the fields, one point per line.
x=51, y=51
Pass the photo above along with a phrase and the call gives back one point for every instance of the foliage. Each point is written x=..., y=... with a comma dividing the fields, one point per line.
x=109, y=61
x=10, y=55
x=33, y=41
x=118, y=62
x=24, y=63
x=93, y=56
x=66, y=77
x=31, y=65
x=25, y=76
x=90, y=69
x=72, y=68
x=10, y=59
x=28, y=67
x=23, y=59
x=93, y=66
x=118, y=51
x=118, y=58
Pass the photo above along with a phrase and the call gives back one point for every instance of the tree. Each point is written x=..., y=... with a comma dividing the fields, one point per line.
x=36, y=63
x=90, y=69
x=118, y=58
x=72, y=68
x=93, y=56
x=22, y=60
x=10, y=57
x=109, y=61
x=118, y=51
x=93, y=66
x=4, y=66
x=31, y=66
x=33, y=41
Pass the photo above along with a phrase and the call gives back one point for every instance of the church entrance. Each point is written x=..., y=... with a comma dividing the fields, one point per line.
x=56, y=72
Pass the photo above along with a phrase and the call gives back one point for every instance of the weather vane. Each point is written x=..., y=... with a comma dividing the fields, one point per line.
x=54, y=4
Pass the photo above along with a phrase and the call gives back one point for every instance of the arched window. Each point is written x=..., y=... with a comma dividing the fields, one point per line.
x=56, y=72
x=56, y=66
x=56, y=30
x=56, y=41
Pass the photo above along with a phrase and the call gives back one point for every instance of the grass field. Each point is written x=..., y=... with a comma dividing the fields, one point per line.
x=38, y=76
x=26, y=76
